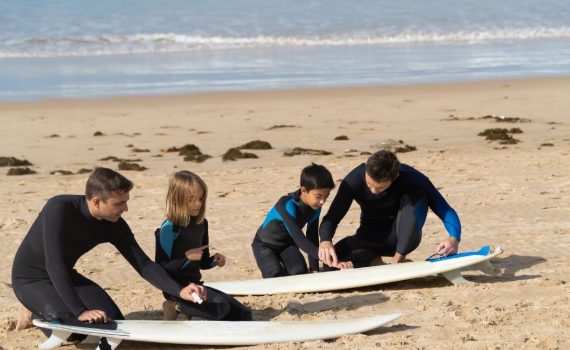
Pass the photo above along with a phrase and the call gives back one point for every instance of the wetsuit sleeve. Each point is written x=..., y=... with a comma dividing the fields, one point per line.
x=53, y=226
x=294, y=230
x=207, y=261
x=444, y=211
x=149, y=270
x=338, y=209
x=313, y=237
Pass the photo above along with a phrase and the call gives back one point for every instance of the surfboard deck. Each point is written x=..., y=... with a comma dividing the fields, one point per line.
x=215, y=332
x=450, y=267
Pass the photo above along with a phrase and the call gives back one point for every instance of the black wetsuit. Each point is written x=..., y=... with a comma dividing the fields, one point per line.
x=389, y=222
x=172, y=242
x=43, y=276
x=277, y=241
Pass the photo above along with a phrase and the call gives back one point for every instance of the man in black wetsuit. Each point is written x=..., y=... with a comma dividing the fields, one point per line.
x=68, y=226
x=394, y=200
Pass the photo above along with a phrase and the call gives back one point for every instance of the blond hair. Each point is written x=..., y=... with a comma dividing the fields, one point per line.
x=182, y=188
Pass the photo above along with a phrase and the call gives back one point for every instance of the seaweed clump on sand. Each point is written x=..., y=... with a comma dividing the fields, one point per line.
x=256, y=144
x=61, y=172
x=341, y=138
x=504, y=119
x=98, y=133
x=502, y=135
x=281, y=126
x=20, y=171
x=190, y=152
x=84, y=171
x=116, y=159
x=396, y=146
x=131, y=166
x=12, y=161
x=405, y=148
x=299, y=151
x=140, y=150
x=234, y=154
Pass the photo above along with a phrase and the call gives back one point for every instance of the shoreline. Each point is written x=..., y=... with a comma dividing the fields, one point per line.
x=301, y=90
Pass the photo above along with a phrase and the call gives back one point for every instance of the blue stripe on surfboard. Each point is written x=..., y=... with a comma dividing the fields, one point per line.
x=486, y=250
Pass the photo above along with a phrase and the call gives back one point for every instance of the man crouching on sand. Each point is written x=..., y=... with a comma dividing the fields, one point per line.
x=69, y=226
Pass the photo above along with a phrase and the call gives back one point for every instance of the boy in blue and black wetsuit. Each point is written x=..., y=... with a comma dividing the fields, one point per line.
x=394, y=200
x=277, y=241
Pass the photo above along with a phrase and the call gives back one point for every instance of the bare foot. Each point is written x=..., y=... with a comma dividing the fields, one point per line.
x=24, y=318
x=169, y=310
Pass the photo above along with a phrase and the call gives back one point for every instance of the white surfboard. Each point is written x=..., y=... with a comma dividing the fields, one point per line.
x=450, y=267
x=215, y=332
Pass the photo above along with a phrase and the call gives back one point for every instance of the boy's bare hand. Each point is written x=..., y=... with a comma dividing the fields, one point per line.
x=195, y=253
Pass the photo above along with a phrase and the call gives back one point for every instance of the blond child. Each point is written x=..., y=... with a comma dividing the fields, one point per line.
x=182, y=249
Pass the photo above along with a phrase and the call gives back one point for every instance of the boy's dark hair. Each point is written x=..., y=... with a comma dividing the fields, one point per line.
x=383, y=166
x=104, y=182
x=316, y=176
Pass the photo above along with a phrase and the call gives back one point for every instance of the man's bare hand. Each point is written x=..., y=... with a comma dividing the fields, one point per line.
x=447, y=247
x=94, y=316
x=186, y=292
x=344, y=265
x=327, y=253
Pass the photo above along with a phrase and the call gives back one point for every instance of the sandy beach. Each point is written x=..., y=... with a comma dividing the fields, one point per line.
x=515, y=196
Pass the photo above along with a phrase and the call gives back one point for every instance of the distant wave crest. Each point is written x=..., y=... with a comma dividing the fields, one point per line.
x=151, y=43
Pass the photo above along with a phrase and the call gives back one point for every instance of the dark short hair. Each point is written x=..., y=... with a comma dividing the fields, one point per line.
x=316, y=176
x=104, y=182
x=383, y=166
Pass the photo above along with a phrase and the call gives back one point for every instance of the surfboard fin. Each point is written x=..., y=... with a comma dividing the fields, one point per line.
x=107, y=343
x=487, y=268
x=56, y=339
x=454, y=276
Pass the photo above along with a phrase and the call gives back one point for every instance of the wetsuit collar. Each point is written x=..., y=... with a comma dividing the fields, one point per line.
x=84, y=209
x=297, y=198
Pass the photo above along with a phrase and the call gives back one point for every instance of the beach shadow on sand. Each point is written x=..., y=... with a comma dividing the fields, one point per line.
x=510, y=266
x=336, y=304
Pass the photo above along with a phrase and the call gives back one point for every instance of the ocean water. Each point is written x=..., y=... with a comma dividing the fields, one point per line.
x=93, y=49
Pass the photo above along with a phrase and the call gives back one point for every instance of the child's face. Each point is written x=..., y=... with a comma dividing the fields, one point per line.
x=196, y=200
x=315, y=198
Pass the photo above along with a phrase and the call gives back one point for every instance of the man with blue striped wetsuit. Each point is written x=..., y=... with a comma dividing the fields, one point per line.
x=394, y=200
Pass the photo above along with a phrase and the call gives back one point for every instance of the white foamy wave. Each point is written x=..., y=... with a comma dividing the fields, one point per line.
x=151, y=43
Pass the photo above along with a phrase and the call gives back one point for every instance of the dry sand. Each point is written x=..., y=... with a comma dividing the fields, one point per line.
x=513, y=196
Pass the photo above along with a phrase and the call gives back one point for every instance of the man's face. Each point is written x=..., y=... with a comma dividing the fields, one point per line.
x=112, y=208
x=315, y=198
x=376, y=187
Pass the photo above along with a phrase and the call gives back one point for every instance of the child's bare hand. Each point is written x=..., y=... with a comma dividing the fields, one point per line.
x=195, y=253
x=220, y=259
